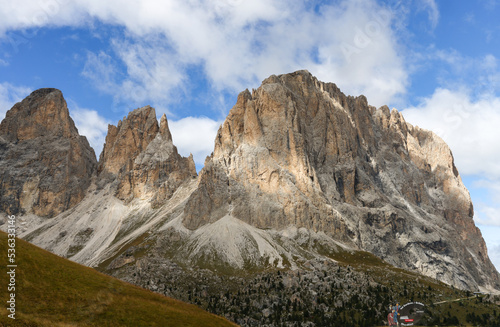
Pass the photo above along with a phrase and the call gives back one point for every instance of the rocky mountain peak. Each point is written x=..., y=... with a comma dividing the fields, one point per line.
x=44, y=112
x=125, y=141
x=46, y=166
x=164, y=130
x=298, y=152
x=299, y=171
x=140, y=155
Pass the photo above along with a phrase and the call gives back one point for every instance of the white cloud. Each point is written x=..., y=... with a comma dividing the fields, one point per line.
x=23, y=18
x=432, y=9
x=100, y=70
x=153, y=74
x=494, y=255
x=359, y=51
x=487, y=215
x=491, y=237
x=10, y=95
x=492, y=185
x=480, y=75
x=90, y=124
x=194, y=135
x=469, y=127
x=235, y=43
x=467, y=117
x=487, y=208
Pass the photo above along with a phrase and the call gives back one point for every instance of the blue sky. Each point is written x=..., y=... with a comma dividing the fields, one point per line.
x=436, y=61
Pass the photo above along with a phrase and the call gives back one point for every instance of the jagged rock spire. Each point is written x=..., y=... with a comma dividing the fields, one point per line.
x=139, y=153
x=164, y=130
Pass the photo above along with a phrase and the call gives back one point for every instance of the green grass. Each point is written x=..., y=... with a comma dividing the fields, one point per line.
x=52, y=291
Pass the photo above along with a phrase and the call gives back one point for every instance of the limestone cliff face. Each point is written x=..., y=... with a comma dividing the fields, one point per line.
x=140, y=155
x=45, y=165
x=298, y=170
x=297, y=151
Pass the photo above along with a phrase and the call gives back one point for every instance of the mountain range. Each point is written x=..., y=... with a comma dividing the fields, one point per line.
x=300, y=173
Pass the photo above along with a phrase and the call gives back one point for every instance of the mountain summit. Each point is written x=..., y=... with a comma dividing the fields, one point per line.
x=298, y=152
x=299, y=171
x=45, y=165
x=139, y=152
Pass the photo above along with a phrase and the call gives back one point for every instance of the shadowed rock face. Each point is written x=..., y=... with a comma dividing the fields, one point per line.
x=297, y=151
x=140, y=156
x=45, y=165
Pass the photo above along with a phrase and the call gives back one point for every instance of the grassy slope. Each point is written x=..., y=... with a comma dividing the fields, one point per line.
x=52, y=291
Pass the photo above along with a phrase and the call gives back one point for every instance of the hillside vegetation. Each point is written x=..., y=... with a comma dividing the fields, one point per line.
x=53, y=291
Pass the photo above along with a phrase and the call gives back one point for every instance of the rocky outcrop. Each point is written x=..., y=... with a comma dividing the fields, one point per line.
x=299, y=171
x=298, y=152
x=140, y=156
x=45, y=165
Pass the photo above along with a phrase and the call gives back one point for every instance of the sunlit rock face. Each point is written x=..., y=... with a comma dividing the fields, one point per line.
x=299, y=171
x=140, y=155
x=298, y=152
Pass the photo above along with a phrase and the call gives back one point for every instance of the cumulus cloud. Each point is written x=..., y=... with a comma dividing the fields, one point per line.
x=470, y=127
x=359, y=51
x=153, y=74
x=90, y=124
x=488, y=184
x=10, y=95
x=487, y=215
x=28, y=14
x=235, y=43
x=194, y=135
x=465, y=112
